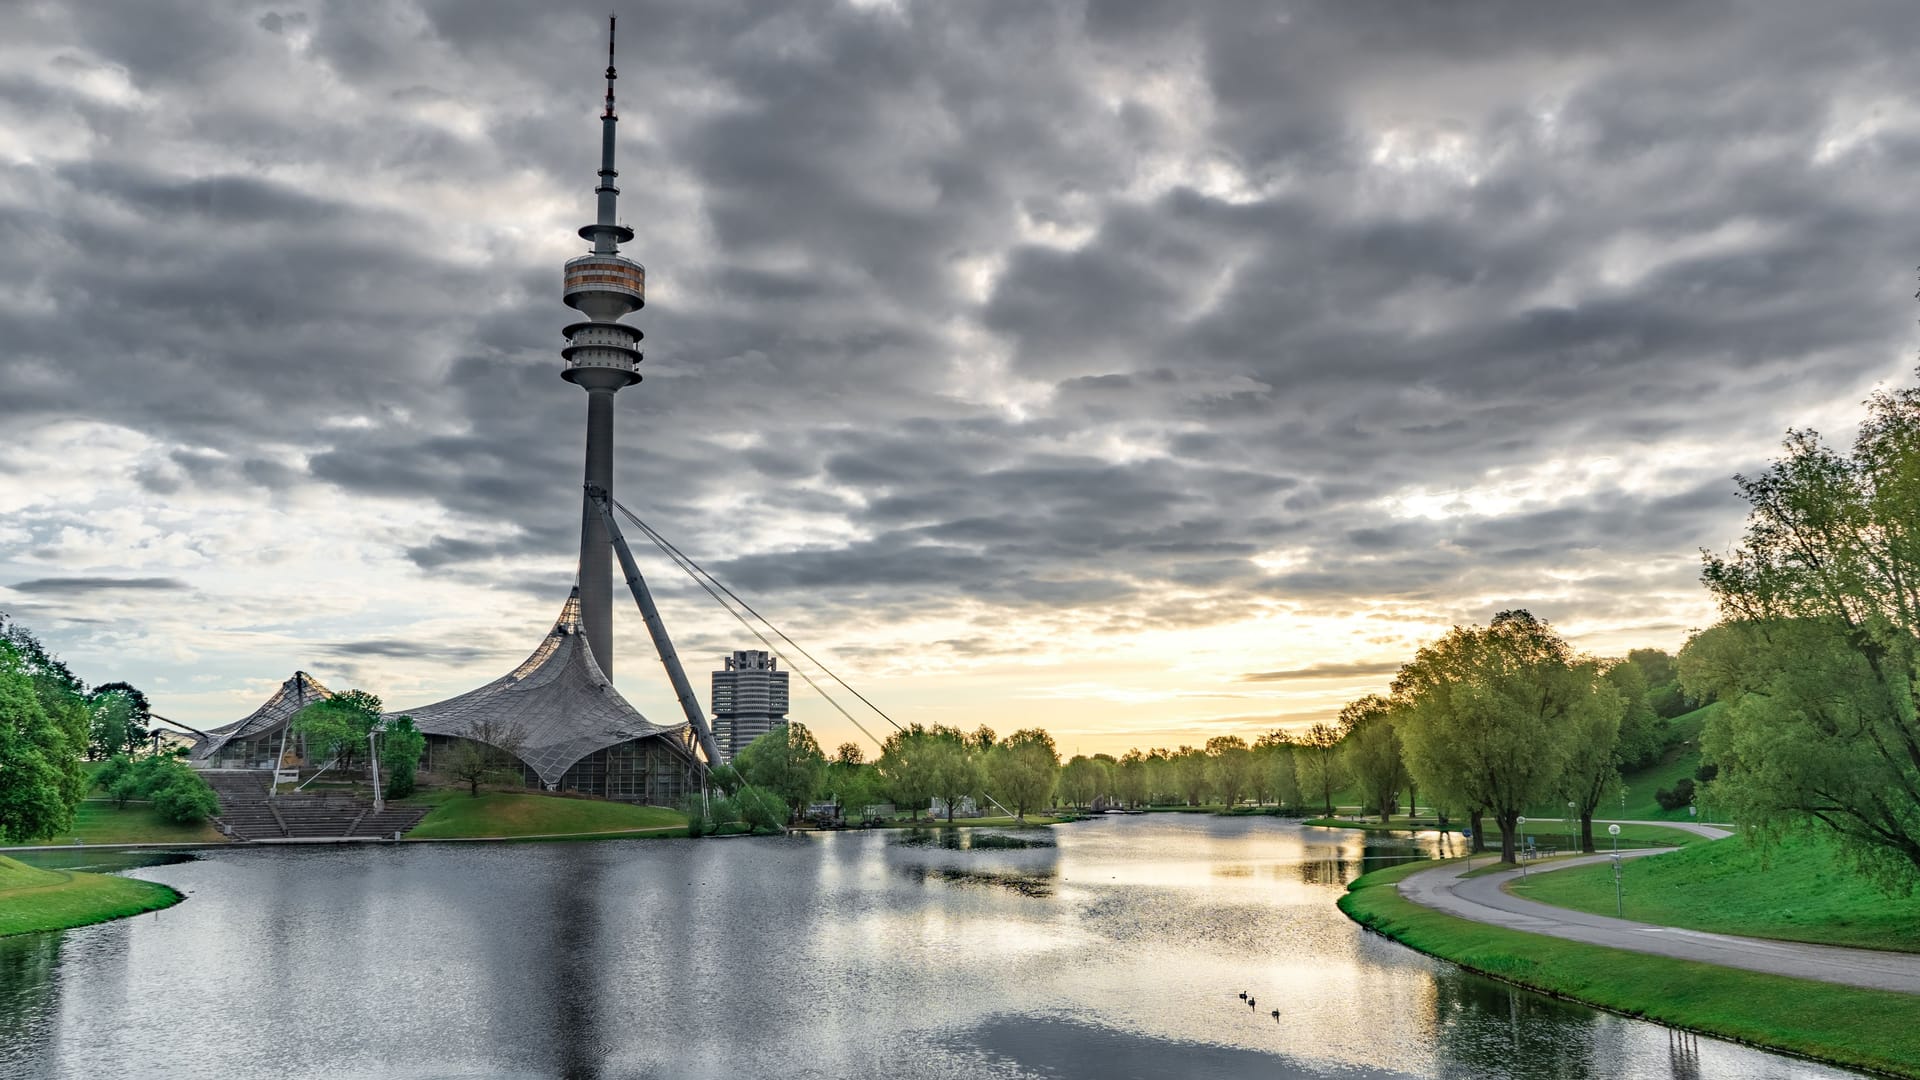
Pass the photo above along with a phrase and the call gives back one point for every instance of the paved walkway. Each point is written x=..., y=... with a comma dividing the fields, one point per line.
x=1481, y=899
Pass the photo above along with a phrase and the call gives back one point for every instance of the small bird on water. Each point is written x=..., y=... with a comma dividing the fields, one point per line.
x=1251, y=1003
x=1243, y=995
x=1276, y=1014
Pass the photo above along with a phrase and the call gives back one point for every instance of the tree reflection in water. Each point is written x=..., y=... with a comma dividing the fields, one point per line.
x=27, y=988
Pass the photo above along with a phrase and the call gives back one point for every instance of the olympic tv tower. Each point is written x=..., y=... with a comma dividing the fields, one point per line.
x=602, y=356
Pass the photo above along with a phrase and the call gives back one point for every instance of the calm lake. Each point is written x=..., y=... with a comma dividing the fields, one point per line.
x=1118, y=951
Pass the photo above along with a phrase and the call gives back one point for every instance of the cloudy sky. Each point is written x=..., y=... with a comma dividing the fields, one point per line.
x=1145, y=371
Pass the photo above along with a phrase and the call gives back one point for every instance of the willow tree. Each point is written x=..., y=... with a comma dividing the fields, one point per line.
x=1022, y=769
x=1372, y=751
x=1820, y=649
x=1494, y=712
x=1230, y=765
x=1593, y=746
x=1317, y=765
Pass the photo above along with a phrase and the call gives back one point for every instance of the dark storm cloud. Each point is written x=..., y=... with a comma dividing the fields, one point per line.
x=61, y=586
x=1039, y=307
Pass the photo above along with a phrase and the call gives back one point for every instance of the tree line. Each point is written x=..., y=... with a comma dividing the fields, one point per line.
x=1614, y=715
x=1487, y=721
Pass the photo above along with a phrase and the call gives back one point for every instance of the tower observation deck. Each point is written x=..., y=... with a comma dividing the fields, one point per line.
x=602, y=355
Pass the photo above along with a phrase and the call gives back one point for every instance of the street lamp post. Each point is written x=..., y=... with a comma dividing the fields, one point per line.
x=373, y=751
x=1521, y=821
x=1614, y=830
x=1572, y=842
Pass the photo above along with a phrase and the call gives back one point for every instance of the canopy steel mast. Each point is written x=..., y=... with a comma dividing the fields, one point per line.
x=656, y=627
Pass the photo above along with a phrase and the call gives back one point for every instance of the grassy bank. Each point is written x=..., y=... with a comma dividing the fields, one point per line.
x=1543, y=833
x=32, y=899
x=97, y=821
x=1863, y=1028
x=1795, y=891
x=498, y=814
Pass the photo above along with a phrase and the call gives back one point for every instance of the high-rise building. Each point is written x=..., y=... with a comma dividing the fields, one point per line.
x=749, y=699
x=602, y=356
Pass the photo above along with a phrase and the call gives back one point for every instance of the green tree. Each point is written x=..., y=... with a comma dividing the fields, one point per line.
x=1023, y=768
x=1371, y=751
x=1317, y=766
x=1821, y=645
x=1230, y=766
x=1491, y=713
x=63, y=704
x=787, y=762
x=337, y=727
x=1080, y=781
x=400, y=750
x=119, y=719
x=759, y=809
x=1190, y=775
x=1133, y=780
x=1278, y=779
x=954, y=768
x=1594, y=722
x=906, y=765
x=1642, y=732
x=33, y=796
x=1665, y=695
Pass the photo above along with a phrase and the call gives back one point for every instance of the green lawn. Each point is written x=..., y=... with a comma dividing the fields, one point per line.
x=98, y=822
x=1544, y=833
x=32, y=899
x=504, y=814
x=1867, y=1028
x=1795, y=891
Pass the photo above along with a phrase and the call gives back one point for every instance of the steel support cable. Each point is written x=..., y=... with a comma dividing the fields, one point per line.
x=672, y=552
x=692, y=569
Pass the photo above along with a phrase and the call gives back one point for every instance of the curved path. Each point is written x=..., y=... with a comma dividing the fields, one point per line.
x=1482, y=899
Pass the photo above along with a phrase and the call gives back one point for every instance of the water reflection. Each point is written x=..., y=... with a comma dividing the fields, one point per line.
x=1120, y=950
x=573, y=922
x=27, y=988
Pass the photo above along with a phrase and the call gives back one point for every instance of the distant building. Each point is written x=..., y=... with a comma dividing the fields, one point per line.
x=749, y=699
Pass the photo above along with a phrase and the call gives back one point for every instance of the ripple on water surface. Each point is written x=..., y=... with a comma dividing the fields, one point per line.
x=1119, y=949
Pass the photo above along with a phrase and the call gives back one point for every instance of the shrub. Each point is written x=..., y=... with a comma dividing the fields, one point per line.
x=1678, y=796
x=113, y=776
x=1706, y=773
x=760, y=809
x=176, y=791
x=186, y=799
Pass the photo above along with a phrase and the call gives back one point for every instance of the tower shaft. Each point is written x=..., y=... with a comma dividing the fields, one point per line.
x=596, y=554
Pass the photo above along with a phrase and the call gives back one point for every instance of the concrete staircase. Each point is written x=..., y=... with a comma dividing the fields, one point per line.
x=247, y=813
